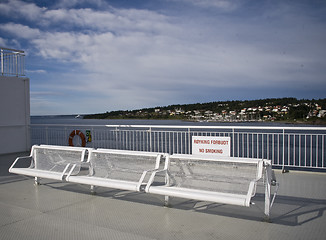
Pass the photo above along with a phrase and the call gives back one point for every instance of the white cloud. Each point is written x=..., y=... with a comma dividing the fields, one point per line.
x=131, y=58
x=135, y=60
x=41, y=71
x=63, y=46
x=38, y=94
x=112, y=20
x=224, y=5
x=3, y=42
x=73, y=3
x=17, y=9
x=20, y=31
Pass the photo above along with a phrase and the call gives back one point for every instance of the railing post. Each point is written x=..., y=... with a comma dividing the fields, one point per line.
x=233, y=140
x=116, y=138
x=47, y=135
x=150, y=139
x=16, y=58
x=92, y=135
x=283, y=151
x=189, y=141
x=66, y=134
x=2, y=63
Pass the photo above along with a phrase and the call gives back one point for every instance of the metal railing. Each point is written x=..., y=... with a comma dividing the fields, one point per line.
x=12, y=62
x=287, y=147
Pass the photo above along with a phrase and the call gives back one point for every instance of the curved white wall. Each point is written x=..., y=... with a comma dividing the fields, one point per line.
x=14, y=114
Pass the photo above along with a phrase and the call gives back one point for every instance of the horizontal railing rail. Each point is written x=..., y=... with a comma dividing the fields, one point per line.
x=12, y=62
x=287, y=147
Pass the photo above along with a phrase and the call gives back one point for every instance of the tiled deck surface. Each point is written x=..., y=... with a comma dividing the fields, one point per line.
x=56, y=210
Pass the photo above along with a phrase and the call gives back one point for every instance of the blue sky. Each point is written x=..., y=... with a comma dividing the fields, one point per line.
x=97, y=56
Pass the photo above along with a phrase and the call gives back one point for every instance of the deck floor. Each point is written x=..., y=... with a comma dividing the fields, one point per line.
x=57, y=210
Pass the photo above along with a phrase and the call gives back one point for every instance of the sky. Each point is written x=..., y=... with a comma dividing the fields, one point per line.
x=93, y=56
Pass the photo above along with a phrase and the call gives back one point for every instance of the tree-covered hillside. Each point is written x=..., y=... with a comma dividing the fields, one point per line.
x=271, y=109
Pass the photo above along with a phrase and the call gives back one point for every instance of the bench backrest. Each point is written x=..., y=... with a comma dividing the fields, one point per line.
x=122, y=165
x=229, y=175
x=56, y=158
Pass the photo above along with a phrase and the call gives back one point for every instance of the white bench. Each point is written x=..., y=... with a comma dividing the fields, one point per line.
x=227, y=181
x=51, y=162
x=119, y=169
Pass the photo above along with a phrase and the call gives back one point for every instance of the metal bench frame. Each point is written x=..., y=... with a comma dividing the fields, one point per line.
x=33, y=171
x=263, y=171
x=94, y=181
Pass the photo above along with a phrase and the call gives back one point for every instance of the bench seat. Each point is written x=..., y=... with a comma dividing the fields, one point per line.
x=201, y=195
x=38, y=173
x=104, y=182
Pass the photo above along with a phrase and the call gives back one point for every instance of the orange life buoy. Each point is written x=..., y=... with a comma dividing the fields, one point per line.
x=80, y=134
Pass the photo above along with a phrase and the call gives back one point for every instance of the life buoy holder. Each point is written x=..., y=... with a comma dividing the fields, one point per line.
x=80, y=134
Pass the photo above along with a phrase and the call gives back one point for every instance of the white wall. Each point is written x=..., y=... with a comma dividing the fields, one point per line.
x=14, y=114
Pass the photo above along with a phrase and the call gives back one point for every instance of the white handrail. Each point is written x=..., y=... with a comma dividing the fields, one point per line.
x=289, y=146
x=219, y=127
x=12, y=62
x=188, y=127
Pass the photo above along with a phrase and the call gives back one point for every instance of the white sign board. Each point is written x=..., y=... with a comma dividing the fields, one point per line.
x=211, y=146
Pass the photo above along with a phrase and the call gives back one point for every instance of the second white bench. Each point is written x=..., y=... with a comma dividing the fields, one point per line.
x=125, y=170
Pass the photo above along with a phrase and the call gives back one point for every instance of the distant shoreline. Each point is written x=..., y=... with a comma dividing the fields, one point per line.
x=281, y=110
x=316, y=122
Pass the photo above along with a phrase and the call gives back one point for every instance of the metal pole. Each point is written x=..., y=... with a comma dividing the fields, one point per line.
x=283, y=149
x=150, y=139
x=190, y=141
x=16, y=57
x=47, y=135
x=2, y=66
x=92, y=132
x=267, y=181
x=233, y=140
x=116, y=138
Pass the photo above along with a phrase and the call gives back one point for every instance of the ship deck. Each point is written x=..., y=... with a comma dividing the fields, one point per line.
x=55, y=210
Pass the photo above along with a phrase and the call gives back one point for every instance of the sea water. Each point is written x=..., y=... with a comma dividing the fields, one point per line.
x=73, y=120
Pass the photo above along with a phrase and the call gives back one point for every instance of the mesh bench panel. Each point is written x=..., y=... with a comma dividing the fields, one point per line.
x=228, y=177
x=55, y=160
x=120, y=166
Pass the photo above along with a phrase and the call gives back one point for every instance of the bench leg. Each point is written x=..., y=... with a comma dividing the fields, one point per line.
x=93, y=190
x=36, y=181
x=268, y=177
x=166, y=201
x=267, y=201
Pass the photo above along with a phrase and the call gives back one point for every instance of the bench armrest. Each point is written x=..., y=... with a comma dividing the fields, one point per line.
x=266, y=166
x=252, y=190
x=81, y=164
x=140, y=182
x=151, y=179
x=18, y=159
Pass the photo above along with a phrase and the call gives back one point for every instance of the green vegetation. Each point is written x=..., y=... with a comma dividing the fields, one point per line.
x=273, y=109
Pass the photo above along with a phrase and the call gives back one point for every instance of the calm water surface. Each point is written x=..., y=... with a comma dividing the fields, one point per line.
x=71, y=120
